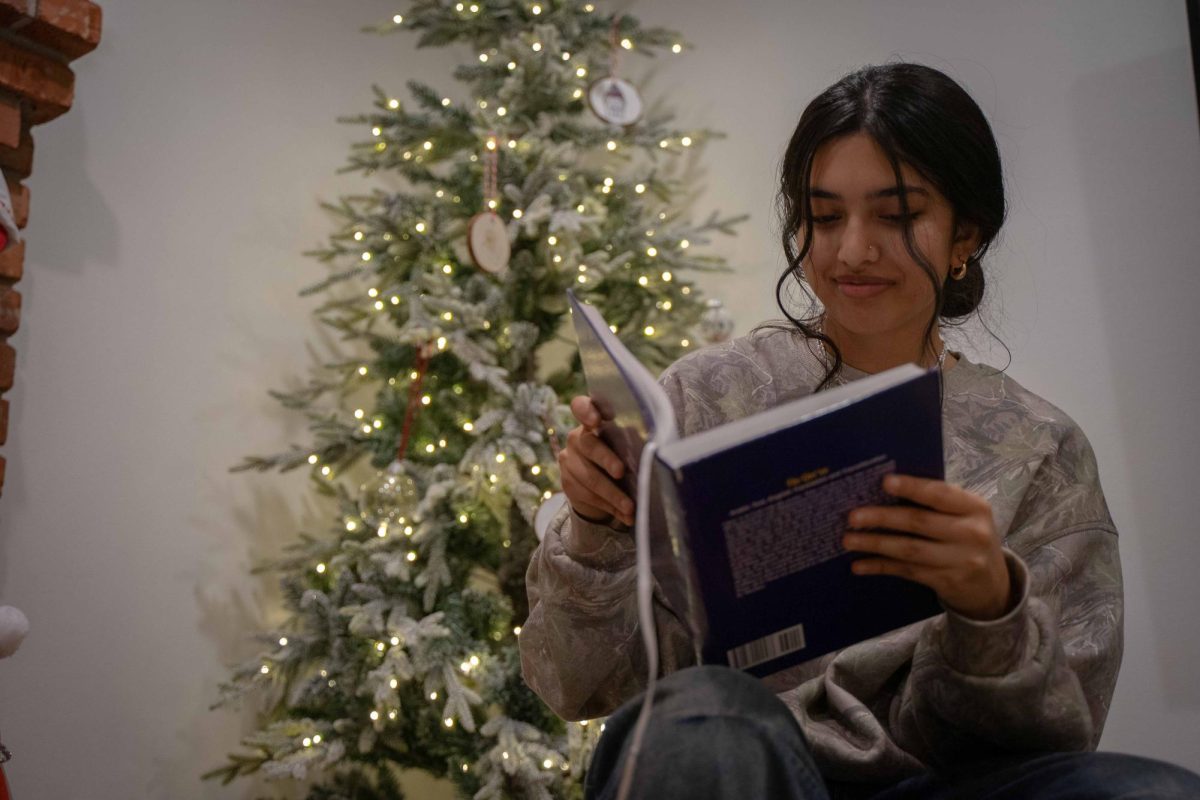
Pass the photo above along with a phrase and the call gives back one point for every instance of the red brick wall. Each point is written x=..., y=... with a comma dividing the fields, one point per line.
x=38, y=40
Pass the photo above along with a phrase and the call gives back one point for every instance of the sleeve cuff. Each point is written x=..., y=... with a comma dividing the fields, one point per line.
x=600, y=545
x=998, y=646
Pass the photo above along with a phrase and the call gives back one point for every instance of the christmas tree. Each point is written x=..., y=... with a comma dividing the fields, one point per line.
x=434, y=441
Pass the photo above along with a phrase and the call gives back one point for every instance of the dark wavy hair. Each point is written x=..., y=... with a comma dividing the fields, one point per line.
x=919, y=117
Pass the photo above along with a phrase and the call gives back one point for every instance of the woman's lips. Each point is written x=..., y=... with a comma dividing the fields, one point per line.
x=861, y=289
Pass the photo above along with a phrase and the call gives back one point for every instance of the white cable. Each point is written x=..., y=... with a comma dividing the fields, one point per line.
x=645, y=587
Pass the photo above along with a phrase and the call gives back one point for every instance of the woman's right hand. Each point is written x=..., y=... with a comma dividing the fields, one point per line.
x=587, y=463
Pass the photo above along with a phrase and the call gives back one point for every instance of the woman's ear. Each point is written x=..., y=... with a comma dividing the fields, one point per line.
x=966, y=238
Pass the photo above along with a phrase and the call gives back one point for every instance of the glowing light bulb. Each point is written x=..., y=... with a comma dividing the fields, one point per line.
x=581, y=72
x=393, y=104
x=684, y=244
x=641, y=187
x=312, y=459
x=686, y=141
x=374, y=715
x=321, y=568
x=264, y=669
x=397, y=19
x=648, y=330
x=676, y=48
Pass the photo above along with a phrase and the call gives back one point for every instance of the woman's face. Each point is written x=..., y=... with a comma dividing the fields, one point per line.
x=858, y=265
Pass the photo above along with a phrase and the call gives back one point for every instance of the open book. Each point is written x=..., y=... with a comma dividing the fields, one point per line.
x=746, y=519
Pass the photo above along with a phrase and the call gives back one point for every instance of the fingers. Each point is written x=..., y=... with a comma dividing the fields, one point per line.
x=907, y=549
x=584, y=483
x=592, y=448
x=936, y=494
x=585, y=411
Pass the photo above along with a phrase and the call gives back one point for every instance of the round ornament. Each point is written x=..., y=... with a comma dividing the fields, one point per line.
x=716, y=323
x=391, y=498
x=487, y=242
x=615, y=101
x=541, y=520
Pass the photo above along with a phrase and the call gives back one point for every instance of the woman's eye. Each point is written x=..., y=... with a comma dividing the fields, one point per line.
x=825, y=219
x=901, y=218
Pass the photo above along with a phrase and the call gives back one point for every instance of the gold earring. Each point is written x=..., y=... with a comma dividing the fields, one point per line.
x=959, y=272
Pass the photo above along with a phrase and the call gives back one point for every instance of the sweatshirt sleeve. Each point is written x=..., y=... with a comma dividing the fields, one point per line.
x=581, y=647
x=1041, y=677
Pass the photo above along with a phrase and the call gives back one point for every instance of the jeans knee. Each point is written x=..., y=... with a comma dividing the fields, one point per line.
x=712, y=689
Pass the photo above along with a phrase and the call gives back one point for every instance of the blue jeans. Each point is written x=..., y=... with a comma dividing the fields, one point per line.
x=718, y=733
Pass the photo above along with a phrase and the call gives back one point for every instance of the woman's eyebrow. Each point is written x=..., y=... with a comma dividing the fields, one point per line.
x=891, y=191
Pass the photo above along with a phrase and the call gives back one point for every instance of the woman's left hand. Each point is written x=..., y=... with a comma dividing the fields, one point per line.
x=956, y=551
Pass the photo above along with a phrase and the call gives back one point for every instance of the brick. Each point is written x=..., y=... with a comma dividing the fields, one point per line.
x=47, y=84
x=3, y=421
x=10, y=121
x=20, y=202
x=70, y=27
x=13, y=10
x=10, y=310
x=12, y=263
x=17, y=163
x=8, y=364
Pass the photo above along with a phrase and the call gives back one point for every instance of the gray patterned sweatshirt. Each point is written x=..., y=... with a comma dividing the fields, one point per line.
x=931, y=694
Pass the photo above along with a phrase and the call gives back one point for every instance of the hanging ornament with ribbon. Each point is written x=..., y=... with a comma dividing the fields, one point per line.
x=389, y=501
x=611, y=98
x=487, y=237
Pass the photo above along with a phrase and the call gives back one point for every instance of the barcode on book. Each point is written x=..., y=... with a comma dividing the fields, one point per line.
x=780, y=643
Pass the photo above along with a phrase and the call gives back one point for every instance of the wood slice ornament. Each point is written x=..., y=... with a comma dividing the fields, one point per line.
x=487, y=235
x=487, y=242
x=615, y=101
x=612, y=99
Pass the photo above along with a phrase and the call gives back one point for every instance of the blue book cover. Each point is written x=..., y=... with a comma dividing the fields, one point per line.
x=764, y=509
x=746, y=519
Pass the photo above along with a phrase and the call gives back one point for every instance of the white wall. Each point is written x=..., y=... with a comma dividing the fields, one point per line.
x=171, y=206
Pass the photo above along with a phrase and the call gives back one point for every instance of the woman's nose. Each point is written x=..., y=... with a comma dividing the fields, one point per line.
x=855, y=244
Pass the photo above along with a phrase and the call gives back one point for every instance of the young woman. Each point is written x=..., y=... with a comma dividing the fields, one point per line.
x=891, y=195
